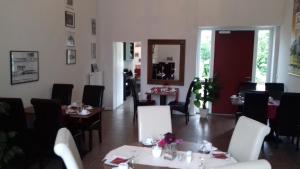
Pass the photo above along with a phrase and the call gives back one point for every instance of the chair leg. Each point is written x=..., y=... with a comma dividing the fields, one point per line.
x=90, y=139
x=134, y=116
x=297, y=143
x=100, y=134
x=186, y=119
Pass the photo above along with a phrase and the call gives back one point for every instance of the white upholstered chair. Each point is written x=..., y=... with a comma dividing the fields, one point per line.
x=153, y=121
x=65, y=147
x=256, y=164
x=247, y=139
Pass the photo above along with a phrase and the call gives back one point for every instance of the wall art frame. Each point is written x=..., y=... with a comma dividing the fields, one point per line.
x=69, y=19
x=24, y=66
x=70, y=56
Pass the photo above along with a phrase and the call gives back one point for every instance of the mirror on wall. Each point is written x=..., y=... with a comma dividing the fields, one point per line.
x=166, y=61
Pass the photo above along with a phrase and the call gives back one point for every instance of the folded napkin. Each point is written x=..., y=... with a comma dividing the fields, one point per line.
x=219, y=155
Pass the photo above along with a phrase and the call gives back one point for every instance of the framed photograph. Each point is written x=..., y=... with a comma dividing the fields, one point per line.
x=70, y=38
x=94, y=67
x=70, y=19
x=93, y=50
x=69, y=4
x=93, y=25
x=70, y=56
x=24, y=66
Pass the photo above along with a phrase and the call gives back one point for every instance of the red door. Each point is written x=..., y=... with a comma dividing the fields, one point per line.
x=233, y=65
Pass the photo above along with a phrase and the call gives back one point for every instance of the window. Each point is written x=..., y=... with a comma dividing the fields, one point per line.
x=205, y=54
x=262, y=64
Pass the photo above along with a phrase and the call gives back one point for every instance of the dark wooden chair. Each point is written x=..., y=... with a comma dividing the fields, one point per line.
x=183, y=107
x=136, y=101
x=287, y=122
x=15, y=121
x=275, y=90
x=48, y=120
x=63, y=93
x=256, y=106
x=93, y=96
x=246, y=87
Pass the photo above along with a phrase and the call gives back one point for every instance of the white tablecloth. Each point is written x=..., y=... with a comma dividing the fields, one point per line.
x=143, y=155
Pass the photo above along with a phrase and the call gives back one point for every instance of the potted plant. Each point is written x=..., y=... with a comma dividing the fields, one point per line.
x=8, y=149
x=205, y=91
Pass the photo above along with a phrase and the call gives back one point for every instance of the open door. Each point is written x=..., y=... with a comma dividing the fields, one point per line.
x=232, y=64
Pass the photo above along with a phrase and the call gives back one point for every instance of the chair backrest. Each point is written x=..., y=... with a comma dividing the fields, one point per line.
x=256, y=105
x=246, y=87
x=63, y=93
x=93, y=95
x=275, y=89
x=16, y=120
x=288, y=116
x=133, y=92
x=65, y=147
x=48, y=120
x=247, y=139
x=256, y=164
x=153, y=121
x=188, y=95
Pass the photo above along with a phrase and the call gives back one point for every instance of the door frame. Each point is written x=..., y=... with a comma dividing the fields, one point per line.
x=274, y=41
x=272, y=60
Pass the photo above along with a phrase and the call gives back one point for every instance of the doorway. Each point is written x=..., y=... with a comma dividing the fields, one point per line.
x=127, y=65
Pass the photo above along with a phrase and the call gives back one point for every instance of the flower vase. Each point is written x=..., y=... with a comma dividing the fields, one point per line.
x=170, y=151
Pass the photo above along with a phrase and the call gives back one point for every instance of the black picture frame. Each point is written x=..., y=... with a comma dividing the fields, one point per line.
x=69, y=19
x=93, y=26
x=70, y=56
x=24, y=66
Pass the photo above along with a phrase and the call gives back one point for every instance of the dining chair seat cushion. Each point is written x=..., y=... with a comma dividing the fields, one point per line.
x=247, y=139
x=256, y=164
x=65, y=147
x=153, y=121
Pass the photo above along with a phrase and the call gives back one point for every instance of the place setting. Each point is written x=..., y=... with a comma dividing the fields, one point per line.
x=78, y=109
x=164, y=153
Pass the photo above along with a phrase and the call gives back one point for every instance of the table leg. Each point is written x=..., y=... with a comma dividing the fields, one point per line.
x=148, y=96
x=163, y=99
x=90, y=139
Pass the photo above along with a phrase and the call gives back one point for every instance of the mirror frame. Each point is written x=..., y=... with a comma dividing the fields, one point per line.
x=180, y=42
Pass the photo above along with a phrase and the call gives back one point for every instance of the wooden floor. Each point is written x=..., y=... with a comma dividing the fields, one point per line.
x=119, y=129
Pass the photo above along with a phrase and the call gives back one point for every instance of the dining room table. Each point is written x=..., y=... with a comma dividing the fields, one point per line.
x=141, y=157
x=163, y=93
x=72, y=116
x=272, y=105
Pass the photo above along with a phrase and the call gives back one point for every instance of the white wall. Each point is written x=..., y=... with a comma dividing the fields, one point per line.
x=39, y=25
x=291, y=82
x=140, y=20
x=118, y=64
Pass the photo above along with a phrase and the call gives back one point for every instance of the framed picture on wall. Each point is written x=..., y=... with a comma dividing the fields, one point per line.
x=69, y=4
x=93, y=25
x=93, y=50
x=24, y=66
x=70, y=56
x=70, y=38
x=70, y=19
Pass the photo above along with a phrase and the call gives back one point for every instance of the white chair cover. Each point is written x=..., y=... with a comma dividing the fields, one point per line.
x=153, y=121
x=257, y=164
x=247, y=139
x=65, y=147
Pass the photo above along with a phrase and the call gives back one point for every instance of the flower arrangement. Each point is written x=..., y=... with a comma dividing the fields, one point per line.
x=169, y=138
